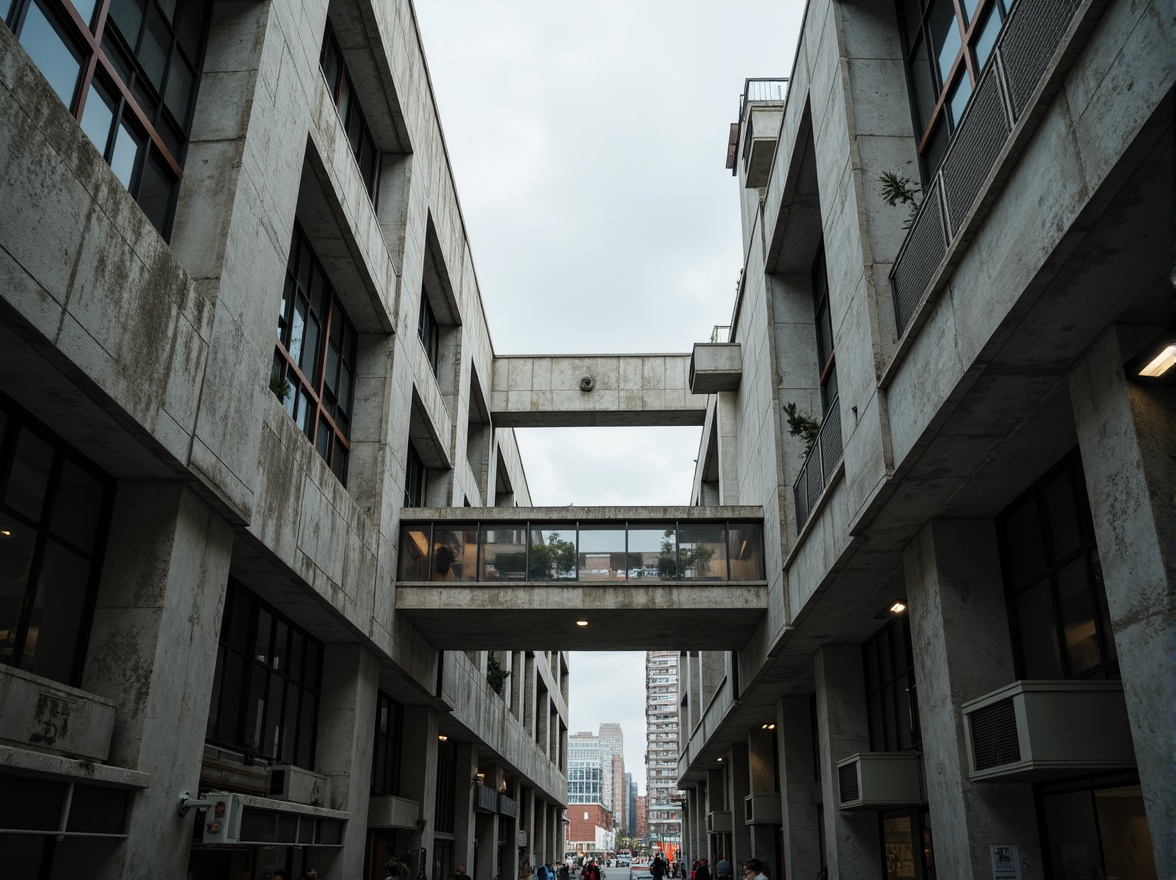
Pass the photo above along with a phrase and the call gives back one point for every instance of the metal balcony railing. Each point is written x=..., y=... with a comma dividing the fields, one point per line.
x=818, y=468
x=1024, y=51
x=764, y=89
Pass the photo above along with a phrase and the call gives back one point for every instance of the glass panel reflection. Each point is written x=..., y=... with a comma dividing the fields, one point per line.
x=652, y=552
x=57, y=60
x=455, y=552
x=702, y=552
x=746, y=553
x=414, y=554
x=504, y=553
x=553, y=552
x=602, y=553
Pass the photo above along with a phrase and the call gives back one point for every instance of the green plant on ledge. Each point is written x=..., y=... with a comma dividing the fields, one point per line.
x=495, y=674
x=802, y=426
x=280, y=386
x=900, y=189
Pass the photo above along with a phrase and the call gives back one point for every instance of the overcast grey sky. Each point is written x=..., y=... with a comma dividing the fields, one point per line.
x=588, y=142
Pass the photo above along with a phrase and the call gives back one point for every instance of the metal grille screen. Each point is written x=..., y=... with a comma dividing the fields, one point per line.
x=974, y=149
x=1031, y=36
x=994, y=735
x=925, y=247
x=847, y=783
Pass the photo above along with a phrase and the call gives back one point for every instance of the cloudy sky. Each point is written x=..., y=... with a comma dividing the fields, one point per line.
x=588, y=142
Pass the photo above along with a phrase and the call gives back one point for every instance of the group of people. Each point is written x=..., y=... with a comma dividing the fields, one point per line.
x=753, y=869
x=548, y=871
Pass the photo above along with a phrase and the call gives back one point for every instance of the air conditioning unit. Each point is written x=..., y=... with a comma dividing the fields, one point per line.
x=388, y=811
x=222, y=821
x=762, y=809
x=719, y=822
x=1034, y=730
x=288, y=783
x=879, y=780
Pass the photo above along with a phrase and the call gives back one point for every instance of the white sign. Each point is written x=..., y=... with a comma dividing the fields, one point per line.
x=1006, y=863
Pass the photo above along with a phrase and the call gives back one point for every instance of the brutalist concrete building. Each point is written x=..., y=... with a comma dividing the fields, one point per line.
x=240, y=329
x=965, y=666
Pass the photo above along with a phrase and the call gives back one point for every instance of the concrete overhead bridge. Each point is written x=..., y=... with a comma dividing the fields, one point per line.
x=582, y=578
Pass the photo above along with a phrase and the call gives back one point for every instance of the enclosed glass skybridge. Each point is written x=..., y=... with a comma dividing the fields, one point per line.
x=587, y=578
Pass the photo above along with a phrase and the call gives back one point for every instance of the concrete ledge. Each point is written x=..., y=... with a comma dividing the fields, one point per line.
x=24, y=762
x=45, y=715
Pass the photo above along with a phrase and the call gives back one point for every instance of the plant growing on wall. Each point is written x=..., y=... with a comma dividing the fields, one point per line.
x=495, y=674
x=802, y=426
x=280, y=386
x=900, y=189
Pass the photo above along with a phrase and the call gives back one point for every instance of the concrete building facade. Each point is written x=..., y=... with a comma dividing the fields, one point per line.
x=958, y=425
x=240, y=331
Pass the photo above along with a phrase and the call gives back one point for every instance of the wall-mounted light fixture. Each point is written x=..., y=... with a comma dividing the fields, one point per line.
x=1156, y=363
x=898, y=607
x=581, y=623
x=768, y=726
x=442, y=737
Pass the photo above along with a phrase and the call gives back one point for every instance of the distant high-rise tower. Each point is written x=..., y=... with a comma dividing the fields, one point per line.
x=663, y=812
x=612, y=746
x=596, y=770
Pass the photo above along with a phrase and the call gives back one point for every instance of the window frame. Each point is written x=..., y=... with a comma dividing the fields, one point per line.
x=239, y=600
x=885, y=688
x=429, y=332
x=343, y=91
x=822, y=327
x=943, y=82
x=16, y=420
x=323, y=403
x=89, y=43
x=388, y=747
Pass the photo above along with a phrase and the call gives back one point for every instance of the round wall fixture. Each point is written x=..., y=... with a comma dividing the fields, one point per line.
x=587, y=383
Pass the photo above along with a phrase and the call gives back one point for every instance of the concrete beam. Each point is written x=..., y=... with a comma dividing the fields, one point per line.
x=573, y=391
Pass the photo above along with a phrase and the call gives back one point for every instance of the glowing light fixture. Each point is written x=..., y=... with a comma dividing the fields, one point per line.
x=1160, y=364
x=720, y=760
x=581, y=623
x=442, y=737
x=4, y=533
x=767, y=727
x=898, y=607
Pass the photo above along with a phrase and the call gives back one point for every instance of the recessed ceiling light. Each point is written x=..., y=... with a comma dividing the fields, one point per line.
x=4, y=533
x=581, y=623
x=442, y=737
x=898, y=607
x=720, y=760
x=1160, y=364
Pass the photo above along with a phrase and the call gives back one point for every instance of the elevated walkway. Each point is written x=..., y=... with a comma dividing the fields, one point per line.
x=641, y=578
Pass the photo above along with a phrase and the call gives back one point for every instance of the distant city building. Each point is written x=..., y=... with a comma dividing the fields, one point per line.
x=663, y=810
x=642, y=828
x=630, y=825
x=596, y=770
x=591, y=828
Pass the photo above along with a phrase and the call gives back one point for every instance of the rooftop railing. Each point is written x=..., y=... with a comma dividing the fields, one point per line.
x=767, y=89
x=638, y=553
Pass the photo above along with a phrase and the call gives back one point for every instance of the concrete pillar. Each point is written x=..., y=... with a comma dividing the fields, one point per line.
x=798, y=785
x=152, y=648
x=530, y=723
x=715, y=802
x=960, y=636
x=527, y=808
x=738, y=788
x=464, y=832
x=541, y=839
x=711, y=674
x=344, y=745
x=485, y=864
x=1125, y=435
x=418, y=777
x=727, y=413
x=851, y=839
x=510, y=855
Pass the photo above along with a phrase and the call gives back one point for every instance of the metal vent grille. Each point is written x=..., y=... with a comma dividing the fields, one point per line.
x=847, y=783
x=830, y=441
x=920, y=257
x=1031, y=37
x=974, y=149
x=994, y=735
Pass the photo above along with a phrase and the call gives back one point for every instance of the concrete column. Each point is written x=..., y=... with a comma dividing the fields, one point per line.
x=851, y=839
x=518, y=682
x=738, y=788
x=530, y=723
x=510, y=857
x=485, y=866
x=343, y=751
x=152, y=650
x=716, y=802
x=1125, y=435
x=762, y=779
x=527, y=808
x=418, y=777
x=728, y=416
x=541, y=839
x=960, y=636
x=464, y=832
x=711, y=674
x=798, y=785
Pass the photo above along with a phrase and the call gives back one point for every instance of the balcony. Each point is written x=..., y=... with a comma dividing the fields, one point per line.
x=819, y=467
x=1031, y=37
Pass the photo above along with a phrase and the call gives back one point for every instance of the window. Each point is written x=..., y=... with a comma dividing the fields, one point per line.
x=363, y=145
x=430, y=332
x=416, y=478
x=826, y=353
x=1095, y=828
x=389, y=738
x=890, y=688
x=265, y=691
x=1057, y=602
x=314, y=360
x=54, y=514
x=947, y=44
x=128, y=70
x=445, y=810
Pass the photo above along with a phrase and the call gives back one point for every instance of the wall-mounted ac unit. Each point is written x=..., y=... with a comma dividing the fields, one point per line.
x=879, y=780
x=388, y=811
x=719, y=822
x=289, y=783
x=762, y=809
x=1034, y=730
x=222, y=821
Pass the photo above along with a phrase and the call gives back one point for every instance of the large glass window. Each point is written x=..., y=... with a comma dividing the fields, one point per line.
x=947, y=45
x=265, y=691
x=54, y=512
x=359, y=135
x=388, y=743
x=445, y=810
x=314, y=361
x=1096, y=829
x=416, y=479
x=826, y=351
x=429, y=331
x=890, y=688
x=1057, y=601
x=129, y=71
